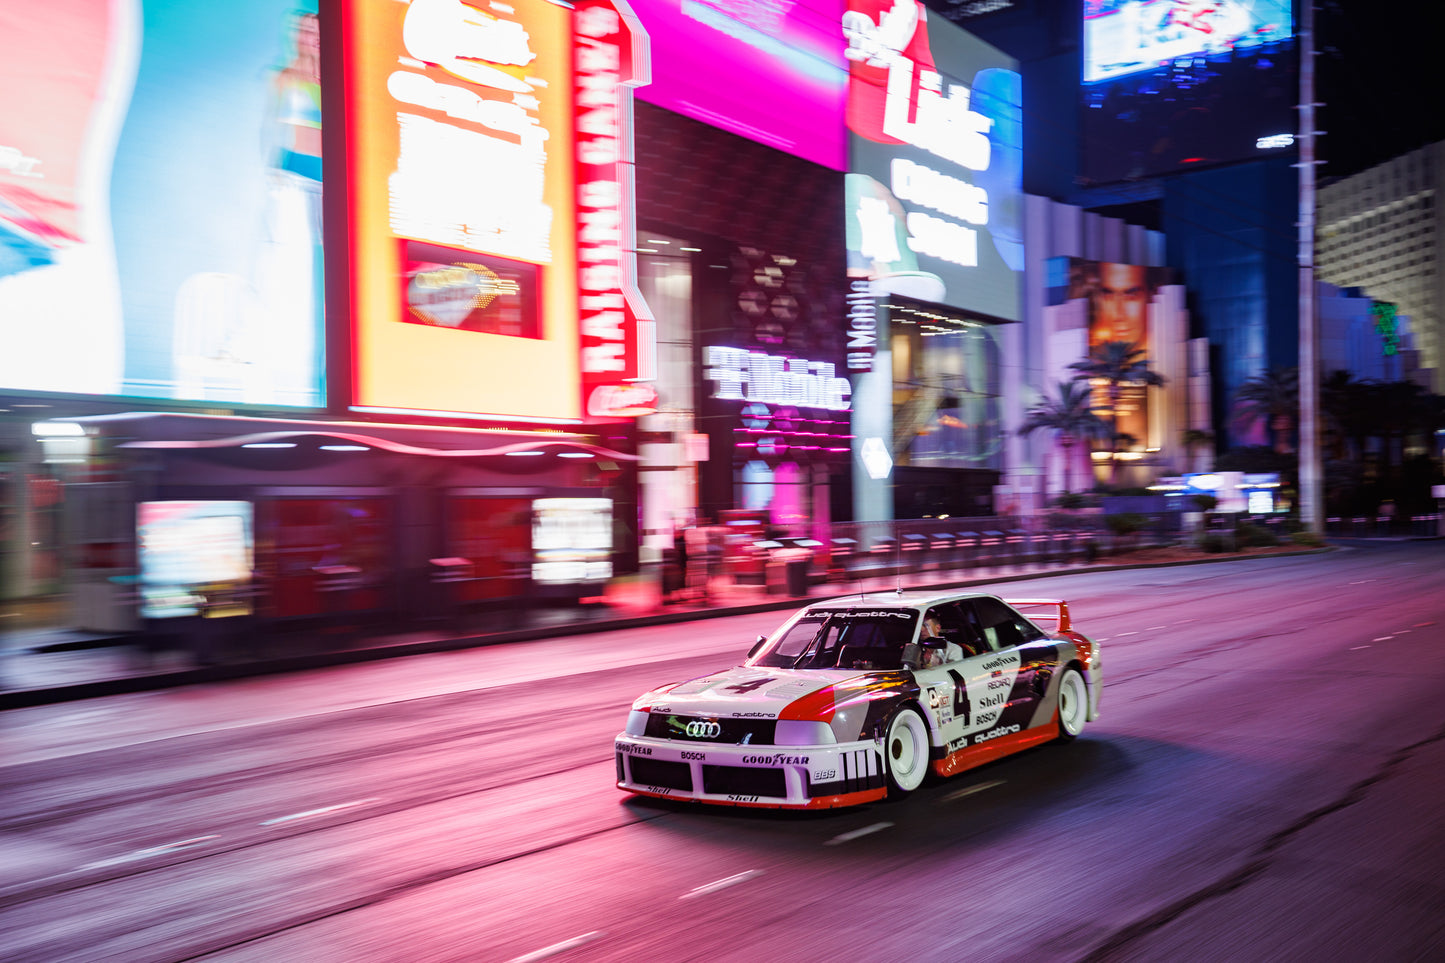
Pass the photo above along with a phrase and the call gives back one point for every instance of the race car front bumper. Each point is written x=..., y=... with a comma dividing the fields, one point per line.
x=778, y=777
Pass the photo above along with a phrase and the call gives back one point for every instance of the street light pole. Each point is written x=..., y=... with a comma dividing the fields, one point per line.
x=1310, y=466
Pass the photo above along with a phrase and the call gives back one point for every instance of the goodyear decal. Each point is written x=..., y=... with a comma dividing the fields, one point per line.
x=988, y=688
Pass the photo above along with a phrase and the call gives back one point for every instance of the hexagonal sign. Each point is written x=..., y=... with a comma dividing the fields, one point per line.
x=876, y=458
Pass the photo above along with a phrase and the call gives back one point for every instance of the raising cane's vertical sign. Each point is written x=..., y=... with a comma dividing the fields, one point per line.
x=616, y=329
x=490, y=208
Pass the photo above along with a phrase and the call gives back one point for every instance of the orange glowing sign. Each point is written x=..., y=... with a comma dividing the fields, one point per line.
x=460, y=144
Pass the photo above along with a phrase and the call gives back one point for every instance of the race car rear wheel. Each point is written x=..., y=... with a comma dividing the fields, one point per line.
x=1073, y=704
x=905, y=752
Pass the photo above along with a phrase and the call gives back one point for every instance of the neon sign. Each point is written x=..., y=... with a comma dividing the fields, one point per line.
x=862, y=326
x=610, y=56
x=1387, y=323
x=754, y=376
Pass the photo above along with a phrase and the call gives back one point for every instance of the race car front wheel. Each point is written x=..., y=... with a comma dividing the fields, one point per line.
x=1073, y=704
x=905, y=752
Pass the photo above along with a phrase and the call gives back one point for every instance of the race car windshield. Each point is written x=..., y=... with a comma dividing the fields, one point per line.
x=841, y=640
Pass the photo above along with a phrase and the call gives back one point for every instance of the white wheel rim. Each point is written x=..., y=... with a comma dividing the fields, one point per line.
x=1072, y=703
x=907, y=751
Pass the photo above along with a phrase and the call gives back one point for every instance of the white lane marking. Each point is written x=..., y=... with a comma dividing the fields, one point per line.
x=848, y=837
x=152, y=851
x=1153, y=627
x=1383, y=638
x=556, y=948
x=1122, y=634
x=324, y=810
x=1354, y=647
x=970, y=790
x=1362, y=581
x=722, y=884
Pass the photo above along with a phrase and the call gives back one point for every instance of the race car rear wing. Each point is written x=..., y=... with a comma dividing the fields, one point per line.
x=1058, y=615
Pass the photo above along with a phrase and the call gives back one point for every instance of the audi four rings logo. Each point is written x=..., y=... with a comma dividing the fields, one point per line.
x=704, y=730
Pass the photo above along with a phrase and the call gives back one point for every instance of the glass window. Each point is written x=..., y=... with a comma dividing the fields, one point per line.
x=1002, y=626
x=824, y=640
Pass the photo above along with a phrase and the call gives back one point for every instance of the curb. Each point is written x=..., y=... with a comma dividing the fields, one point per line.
x=147, y=682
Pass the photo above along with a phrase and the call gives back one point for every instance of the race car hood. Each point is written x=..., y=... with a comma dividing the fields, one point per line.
x=748, y=691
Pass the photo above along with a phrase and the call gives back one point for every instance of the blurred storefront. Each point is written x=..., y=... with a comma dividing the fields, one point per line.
x=289, y=520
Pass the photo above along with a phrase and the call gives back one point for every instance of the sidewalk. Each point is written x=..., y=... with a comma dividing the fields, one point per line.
x=45, y=665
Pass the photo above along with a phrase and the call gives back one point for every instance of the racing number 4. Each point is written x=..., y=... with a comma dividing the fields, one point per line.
x=960, y=697
x=749, y=686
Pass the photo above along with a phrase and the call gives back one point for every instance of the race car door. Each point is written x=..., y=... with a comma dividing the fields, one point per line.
x=948, y=690
x=1016, y=672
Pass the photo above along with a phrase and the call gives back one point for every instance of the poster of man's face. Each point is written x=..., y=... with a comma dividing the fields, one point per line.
x=1119, y=297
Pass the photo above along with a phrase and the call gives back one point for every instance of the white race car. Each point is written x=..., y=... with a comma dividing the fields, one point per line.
x=850, y=701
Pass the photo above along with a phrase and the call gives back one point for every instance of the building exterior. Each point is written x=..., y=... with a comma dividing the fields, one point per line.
x=179, y=272
x=1383, y=231
x=1367, y=339
x=1073, y=257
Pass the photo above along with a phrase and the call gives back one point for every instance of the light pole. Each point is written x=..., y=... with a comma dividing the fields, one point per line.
x=1310, y=468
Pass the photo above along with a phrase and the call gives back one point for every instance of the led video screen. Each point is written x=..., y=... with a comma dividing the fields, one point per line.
x=195, y=557
x=1174, y=85
x=768, y=70
x=160, y=200
x=934, y=193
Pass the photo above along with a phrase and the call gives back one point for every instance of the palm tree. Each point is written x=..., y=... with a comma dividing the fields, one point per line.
x=1272, y=398
x=1070, y=414
x=1194, y=438
x=1119, y=363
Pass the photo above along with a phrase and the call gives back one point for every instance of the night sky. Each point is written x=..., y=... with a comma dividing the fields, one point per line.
x=1380, y=78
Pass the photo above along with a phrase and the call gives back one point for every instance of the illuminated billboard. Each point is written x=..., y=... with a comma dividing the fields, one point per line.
x=195, y=558
x=160, y=200
x=934, y=195
x=768, y=70
x=1119, y=296
x=490, y=212
x=1176, y=84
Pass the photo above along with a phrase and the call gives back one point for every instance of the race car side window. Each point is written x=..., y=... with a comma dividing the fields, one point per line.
x=961, y=626
x=1002, y=626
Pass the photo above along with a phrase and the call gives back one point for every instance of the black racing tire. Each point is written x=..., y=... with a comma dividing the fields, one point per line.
x=906, y=753
x=1072, y=704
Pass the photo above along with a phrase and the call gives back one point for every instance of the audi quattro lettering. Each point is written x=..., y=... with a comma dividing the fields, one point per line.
x=856, y=699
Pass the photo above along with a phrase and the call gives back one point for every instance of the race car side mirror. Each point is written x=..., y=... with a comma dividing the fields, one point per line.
x=757, y=645
x=911, y=655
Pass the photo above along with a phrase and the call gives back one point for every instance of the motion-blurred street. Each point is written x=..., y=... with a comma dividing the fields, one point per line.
x=1263, y=785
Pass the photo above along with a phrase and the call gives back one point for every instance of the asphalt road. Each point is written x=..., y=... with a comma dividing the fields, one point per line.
x=1265, y=784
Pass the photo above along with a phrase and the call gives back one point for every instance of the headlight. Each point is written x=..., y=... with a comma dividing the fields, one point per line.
x=636, y=723
x=791, y=732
